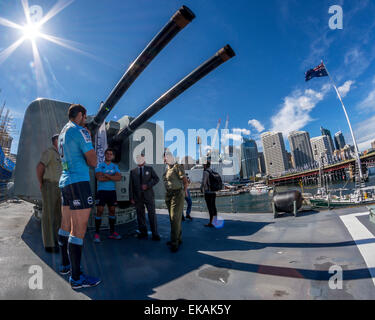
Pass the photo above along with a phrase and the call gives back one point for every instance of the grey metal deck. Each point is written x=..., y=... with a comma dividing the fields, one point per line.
x=252, y=257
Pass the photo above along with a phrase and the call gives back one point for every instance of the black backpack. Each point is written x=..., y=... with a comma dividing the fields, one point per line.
x=216, y=183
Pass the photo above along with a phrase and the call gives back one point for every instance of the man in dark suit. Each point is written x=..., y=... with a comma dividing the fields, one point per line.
x=141, y=180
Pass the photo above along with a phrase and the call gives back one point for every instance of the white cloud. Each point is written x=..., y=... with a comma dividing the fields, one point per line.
x=256, y=124
x=345, y=88
x=295, y=111
x=369, y=101
x=365, y=133
x=232, y=136
x=245, y=132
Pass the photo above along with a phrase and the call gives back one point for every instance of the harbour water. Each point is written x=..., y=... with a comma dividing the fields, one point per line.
x=247, y=203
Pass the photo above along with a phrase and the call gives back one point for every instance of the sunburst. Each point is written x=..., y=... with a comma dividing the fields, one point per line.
x=32, y=31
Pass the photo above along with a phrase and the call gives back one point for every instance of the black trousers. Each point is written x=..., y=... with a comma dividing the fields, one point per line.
x=211, y=205
x=141, y=215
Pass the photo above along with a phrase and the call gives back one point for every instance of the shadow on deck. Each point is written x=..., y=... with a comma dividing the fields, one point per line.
x=132, y=269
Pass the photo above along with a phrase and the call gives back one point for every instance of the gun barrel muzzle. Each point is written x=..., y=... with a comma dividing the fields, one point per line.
x=179, y=20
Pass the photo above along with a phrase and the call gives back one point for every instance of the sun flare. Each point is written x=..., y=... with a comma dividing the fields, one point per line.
x=31, y=31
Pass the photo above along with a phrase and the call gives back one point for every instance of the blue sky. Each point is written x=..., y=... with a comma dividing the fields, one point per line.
x=275, y=42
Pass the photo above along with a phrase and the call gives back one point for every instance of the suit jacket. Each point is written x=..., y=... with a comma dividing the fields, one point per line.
x=149, y=178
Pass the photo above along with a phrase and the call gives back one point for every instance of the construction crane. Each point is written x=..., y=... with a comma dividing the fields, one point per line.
x=210, y=149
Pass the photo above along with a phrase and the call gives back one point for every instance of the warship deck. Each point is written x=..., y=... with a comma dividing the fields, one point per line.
x=254, y=256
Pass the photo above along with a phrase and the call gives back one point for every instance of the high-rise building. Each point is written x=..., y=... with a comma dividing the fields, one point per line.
x=261, y=163
x=290, y=160
x=339, y=140
x=326, y=132
x=300, y=147
x=373, y=145
x=321, y=149
x=275, y=155
x=249, y=158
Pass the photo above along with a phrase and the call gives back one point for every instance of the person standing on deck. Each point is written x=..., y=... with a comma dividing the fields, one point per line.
x=48, y=172
x=107, y=173
x=77, y=155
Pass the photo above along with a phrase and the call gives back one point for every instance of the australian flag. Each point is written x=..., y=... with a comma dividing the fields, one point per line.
x=319, y=71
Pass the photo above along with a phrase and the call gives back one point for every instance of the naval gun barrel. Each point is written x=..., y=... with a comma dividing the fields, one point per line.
x=179, y=20
x=220, y=57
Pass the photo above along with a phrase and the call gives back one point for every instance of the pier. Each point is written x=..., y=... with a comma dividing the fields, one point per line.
x=333, y=172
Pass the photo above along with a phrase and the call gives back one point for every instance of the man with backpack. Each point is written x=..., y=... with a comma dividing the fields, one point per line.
x=211, y=182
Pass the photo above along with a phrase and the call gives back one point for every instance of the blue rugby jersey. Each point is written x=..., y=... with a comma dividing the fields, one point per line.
x=108, y=169
x=74, y=141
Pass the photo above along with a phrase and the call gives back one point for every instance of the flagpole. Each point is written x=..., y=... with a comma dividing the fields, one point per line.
x=350, y=126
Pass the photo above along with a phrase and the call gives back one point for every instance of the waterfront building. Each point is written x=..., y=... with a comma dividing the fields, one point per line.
x=326, y=132
x=261, y=163
x=321, y=149
x=188, y=162
x=275, y=155
x=300, y=147
x=337, y=155
x=249, y=158
x=347, y=152
x=290, y=160
x=339, y=140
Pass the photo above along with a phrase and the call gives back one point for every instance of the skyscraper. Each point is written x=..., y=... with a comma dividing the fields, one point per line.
x=321, y=148
x=274, y=153
x=339, y=140
x=261, y=163
x=249, y=158
x=326, y=132
x=300, y=147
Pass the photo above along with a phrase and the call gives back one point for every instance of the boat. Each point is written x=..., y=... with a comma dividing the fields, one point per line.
x=259, y=189
x=360, y=196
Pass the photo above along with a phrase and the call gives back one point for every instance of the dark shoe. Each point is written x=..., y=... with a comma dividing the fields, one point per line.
x=142, y=236
x=183, y=218
x=210, y=225
x=189, y=217
x=52, y=249
x=169, y=243
x=156, y=237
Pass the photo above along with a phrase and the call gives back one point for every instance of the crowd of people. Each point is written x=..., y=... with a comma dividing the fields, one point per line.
x=63, y=175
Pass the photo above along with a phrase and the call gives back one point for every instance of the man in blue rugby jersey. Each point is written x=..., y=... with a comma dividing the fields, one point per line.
x=107, y=173
x=77, y=155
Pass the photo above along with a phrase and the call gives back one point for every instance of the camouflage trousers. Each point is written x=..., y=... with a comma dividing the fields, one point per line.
x=51, y=217
x=175, y=203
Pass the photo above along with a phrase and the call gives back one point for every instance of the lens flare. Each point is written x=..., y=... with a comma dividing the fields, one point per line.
x=31, y=31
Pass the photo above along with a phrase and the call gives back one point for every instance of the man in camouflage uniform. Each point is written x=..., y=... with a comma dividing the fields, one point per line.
x=176, y=189
x=48, y=172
